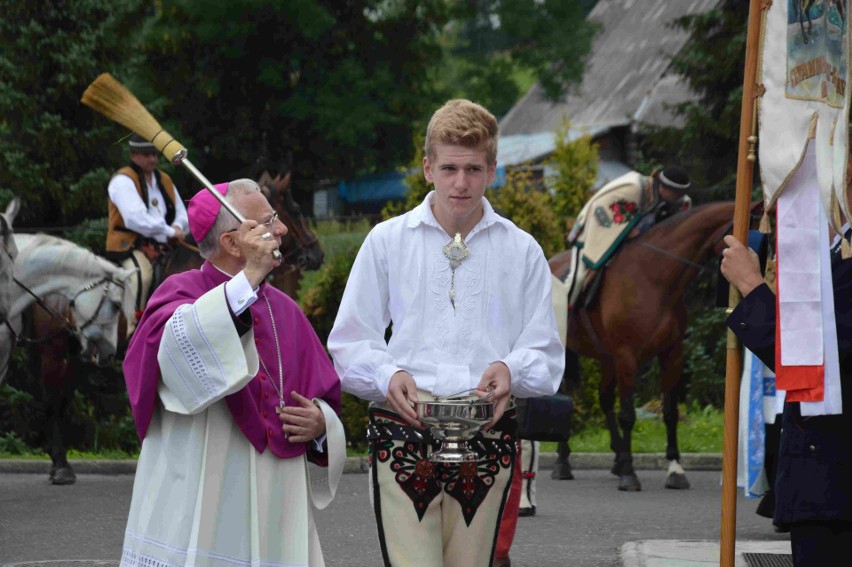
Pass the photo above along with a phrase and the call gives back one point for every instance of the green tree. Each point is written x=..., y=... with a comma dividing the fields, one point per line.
x=712, y=63
x=497, y=48
x=54, y=152
x=531, y=209
x=415, y=182
x=339, y=83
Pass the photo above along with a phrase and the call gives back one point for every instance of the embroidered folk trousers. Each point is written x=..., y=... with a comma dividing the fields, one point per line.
x=433, y=514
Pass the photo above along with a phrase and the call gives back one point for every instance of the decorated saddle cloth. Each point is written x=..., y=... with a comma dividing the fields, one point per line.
x=602, y=226
x=608, y=217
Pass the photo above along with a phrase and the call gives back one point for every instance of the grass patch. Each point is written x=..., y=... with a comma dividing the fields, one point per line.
x=699, y=431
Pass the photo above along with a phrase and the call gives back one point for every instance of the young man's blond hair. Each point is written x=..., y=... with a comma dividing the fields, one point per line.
x=465, y=123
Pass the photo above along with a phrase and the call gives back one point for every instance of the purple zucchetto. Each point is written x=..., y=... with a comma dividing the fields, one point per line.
x=202, y=211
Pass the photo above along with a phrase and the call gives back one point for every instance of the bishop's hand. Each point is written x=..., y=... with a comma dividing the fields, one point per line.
x=256, y=245
x=303, y=422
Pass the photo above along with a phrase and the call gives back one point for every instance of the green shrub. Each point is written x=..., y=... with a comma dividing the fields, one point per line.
x=97, y=417
x=320, y=304
x=354, y=417
x=531, y=209
x=575, y=165
x=11, y=444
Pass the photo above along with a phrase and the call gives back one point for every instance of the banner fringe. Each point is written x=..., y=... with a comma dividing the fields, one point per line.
x=765, y=227
x=845, y=249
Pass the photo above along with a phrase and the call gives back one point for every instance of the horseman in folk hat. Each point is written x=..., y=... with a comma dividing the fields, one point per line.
x=145, y=213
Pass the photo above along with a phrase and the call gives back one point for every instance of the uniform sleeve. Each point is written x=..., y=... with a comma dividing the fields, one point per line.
x=202, y=356
x=537, y=360
x=357, y=340
x=122, y=192
x=753, y=321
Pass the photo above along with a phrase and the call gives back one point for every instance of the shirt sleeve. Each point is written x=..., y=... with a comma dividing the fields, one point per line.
x=537, y=359
x=202, y=356
x=239, y=293
x=357, y=340
x=123, y=193
x=181, y=218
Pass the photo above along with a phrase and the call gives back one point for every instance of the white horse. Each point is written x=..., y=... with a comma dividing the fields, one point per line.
x=7, y=257
x=51, y=271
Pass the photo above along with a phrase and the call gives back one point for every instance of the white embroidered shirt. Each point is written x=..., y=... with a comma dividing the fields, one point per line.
x=147, y=219
x=503, y=310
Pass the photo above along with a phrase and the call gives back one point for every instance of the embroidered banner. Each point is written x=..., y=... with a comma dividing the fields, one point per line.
x=803, y=133
x=804, y=71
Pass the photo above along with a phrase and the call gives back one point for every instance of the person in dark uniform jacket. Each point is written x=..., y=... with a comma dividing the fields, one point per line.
x=814, y=478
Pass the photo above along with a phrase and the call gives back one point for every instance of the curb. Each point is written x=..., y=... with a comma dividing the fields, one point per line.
x=579, y=461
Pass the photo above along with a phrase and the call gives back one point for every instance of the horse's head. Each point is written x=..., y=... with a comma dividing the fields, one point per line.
x=300, y=246
x=8, y=253
x=95, y=311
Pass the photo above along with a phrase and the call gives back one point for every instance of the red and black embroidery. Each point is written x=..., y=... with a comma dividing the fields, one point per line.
x=406, y=451
x=415, y=474
x=469, y=483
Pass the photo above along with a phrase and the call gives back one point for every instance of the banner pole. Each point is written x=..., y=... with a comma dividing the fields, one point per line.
x=734, y=363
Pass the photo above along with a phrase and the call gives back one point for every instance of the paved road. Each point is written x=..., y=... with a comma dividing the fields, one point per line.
x=580, y=523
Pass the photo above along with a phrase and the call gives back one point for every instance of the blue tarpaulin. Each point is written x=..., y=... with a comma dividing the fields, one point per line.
x=386, y=186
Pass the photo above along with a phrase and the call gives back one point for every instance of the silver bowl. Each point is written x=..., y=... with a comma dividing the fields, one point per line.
x=453, y=421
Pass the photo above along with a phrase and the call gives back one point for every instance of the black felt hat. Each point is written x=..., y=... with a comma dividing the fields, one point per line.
x=139, y=144
x=675, y=178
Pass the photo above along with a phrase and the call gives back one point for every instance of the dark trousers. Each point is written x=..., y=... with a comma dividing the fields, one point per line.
x=821, y=544
x=766, y=508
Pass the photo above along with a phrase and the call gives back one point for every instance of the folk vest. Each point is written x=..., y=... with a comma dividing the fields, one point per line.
x=119, y=237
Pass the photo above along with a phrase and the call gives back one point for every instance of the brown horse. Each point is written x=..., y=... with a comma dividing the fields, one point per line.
x=61, y=368
x=639, y=314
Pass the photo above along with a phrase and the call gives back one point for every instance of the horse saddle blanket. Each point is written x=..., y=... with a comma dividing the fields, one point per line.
x=608, y=217
x=601, y=227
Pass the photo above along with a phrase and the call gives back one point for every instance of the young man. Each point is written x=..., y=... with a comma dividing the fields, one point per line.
x=468, y=295
x=231, y=391
x=145, y=212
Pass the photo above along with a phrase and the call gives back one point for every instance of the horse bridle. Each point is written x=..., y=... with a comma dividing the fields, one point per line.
x=680, y=259
x=68, y=323
x=107, y=281
x=4, y=229
x=688, y=262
